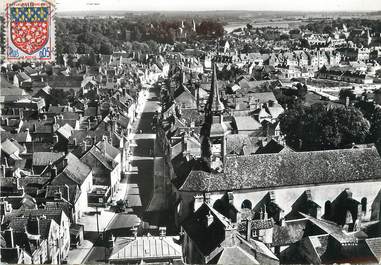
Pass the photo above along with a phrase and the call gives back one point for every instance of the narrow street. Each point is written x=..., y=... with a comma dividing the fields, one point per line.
x=139, y=181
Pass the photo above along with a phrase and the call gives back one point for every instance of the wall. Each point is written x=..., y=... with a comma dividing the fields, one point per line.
x=53, y=250
x=115, y=177
x=285, y=197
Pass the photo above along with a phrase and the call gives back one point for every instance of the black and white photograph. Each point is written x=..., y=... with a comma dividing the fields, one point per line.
x=181, y=132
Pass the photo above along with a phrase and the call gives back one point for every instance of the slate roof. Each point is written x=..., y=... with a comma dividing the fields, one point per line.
x=107, y=149
x=332, y=229
x=197, y=231
x=41, y=126
x=262, y=224
x=99, y=155
x=70, y=191
x=76, y=169
x=65, y=130
x=10, y=147
x=22, y=76
x=45, y=158
x=19, y=137
x=235, y=255
x=25, y=202
x=247, y=123
x=18, y=224
x=184, y=97
x=241, y=144
x=374, y=245
x=51, y=213
x=288, y=169
x=145, y=247
x=273, y=147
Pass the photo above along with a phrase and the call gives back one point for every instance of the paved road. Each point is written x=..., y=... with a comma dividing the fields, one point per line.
x=140, y=180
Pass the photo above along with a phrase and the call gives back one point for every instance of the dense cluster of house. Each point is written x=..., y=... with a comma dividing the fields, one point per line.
x=304, y=53
x=238, y=194
x=59, y=159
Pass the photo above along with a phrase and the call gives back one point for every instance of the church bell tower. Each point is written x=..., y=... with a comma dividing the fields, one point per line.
x=214, y=129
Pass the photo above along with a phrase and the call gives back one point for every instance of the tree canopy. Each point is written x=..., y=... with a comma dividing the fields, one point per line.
x=319, y=128
x=103, y=35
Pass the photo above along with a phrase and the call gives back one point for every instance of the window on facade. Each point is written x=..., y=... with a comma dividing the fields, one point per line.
x=363, y=204
x=327, y=209
x=246, y=204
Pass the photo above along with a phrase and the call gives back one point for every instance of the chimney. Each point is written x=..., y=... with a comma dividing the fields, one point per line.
x=248, y=229
x=265, y=215
x=208, y=220
x=6, y=121
x=55, y=120
x=54, y=171
x=198, y=201
x=9, y=237
x=134, y=231
x=58, y=195
x=64, y=162
x=230, y=197
x=55, y=138
x=207, y=198
x=162, y=231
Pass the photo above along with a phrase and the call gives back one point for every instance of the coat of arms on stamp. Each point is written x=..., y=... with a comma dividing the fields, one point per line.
x=30, y=30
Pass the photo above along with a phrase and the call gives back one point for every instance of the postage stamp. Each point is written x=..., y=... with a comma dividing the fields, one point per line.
x=30, y=30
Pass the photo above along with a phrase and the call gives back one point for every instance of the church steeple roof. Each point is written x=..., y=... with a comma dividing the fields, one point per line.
x=216, y=105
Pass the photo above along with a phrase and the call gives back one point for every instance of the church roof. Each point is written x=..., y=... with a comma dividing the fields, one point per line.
x=214, y=97
x=288, y=169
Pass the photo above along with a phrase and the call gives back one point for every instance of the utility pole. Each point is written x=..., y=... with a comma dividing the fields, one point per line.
x=97, y=213
x=105, y=245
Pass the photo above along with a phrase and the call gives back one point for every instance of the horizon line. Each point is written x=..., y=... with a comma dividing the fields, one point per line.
x=225, y=10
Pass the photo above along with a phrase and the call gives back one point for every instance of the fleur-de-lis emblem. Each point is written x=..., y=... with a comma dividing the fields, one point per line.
x=29, y=12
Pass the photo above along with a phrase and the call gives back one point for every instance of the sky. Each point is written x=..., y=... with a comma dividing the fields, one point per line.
x=198, y=5
x=195, y=5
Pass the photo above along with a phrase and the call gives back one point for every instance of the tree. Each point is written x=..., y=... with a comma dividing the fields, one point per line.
x=106, y=47
x=70, y=48
x=59, y=97
x=84, y=48
x=375, y=130
x=120, y=206
x=344, y=93
x=319, y=128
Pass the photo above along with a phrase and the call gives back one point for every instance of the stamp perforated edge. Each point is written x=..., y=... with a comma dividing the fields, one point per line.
x=52, y=32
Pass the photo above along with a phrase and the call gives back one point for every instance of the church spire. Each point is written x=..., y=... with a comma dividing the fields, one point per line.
x=215, y=104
